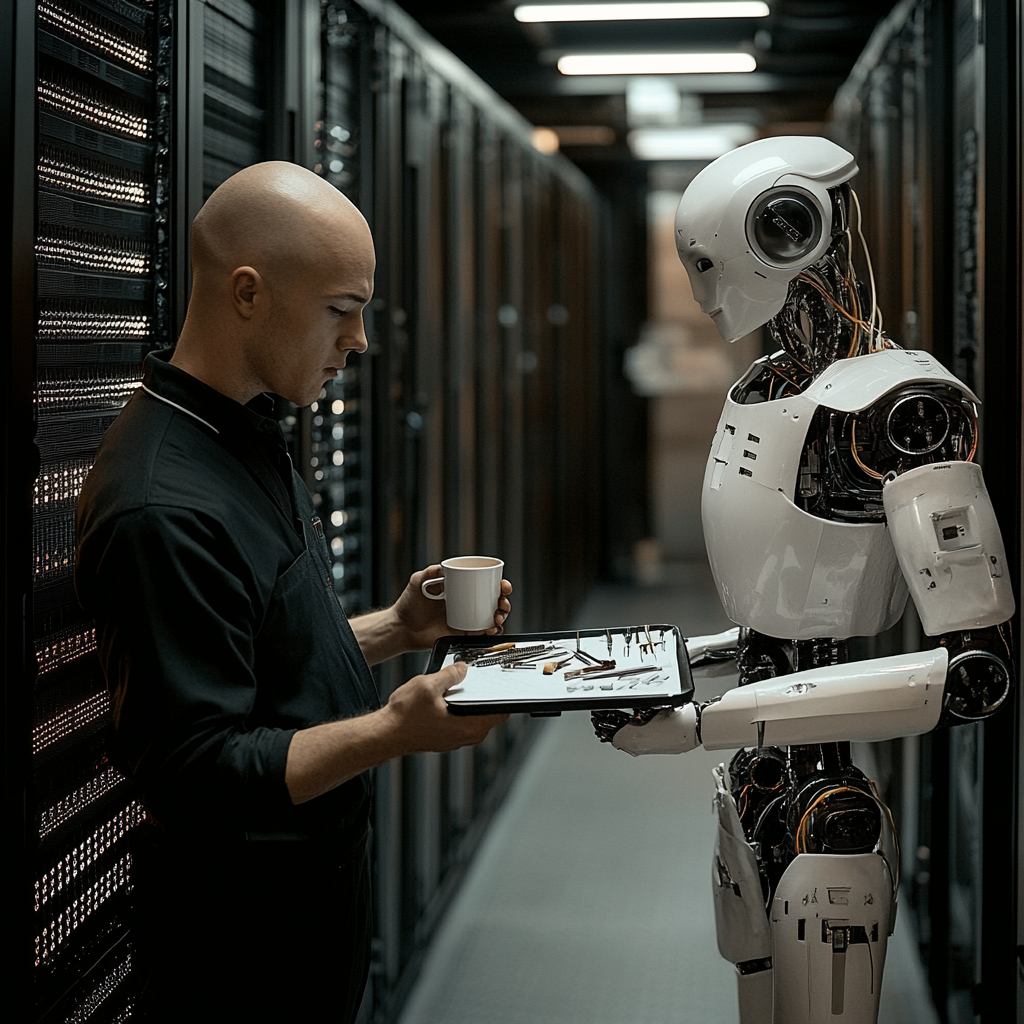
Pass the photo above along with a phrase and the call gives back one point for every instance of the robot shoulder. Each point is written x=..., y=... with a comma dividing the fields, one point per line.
x=854, y=385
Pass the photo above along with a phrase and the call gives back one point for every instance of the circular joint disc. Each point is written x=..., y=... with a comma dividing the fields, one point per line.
x=784, y=225
x=982, y=683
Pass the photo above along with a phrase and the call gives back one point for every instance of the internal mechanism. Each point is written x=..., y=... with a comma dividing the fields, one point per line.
x=759, y=785
x=835, y=813
x=827, y=315
x=763, y=657
x=804, y=799
x=777, y=377
x=848, y=454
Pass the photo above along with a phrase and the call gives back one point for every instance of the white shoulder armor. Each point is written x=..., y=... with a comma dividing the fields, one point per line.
x=949, y=545
x=850, y=385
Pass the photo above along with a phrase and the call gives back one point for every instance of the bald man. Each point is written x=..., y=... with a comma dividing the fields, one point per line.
x=244, y=706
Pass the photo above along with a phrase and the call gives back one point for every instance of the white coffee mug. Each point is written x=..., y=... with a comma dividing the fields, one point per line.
x=472, y=588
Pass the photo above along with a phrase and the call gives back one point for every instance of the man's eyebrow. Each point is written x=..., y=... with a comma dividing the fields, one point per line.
x=352, y=296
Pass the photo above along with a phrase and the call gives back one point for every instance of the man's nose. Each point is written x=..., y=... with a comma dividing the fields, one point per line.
x=358, y=336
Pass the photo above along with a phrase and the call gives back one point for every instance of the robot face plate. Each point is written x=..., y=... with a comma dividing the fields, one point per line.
x=752, y=220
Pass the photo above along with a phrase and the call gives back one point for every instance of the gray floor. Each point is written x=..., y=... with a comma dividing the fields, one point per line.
x=589, y=901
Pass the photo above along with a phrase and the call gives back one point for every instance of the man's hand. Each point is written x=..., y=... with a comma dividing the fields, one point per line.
x=414, y=720
x=414, y=622
x=422, y=720
x=424, y=620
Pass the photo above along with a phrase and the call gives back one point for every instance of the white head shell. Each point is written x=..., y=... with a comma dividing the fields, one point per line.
x=752, y=220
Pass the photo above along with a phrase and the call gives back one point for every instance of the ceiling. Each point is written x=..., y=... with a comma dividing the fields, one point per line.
x=804, y=49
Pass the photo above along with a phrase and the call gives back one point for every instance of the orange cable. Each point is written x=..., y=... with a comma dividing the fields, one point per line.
x=856, y=457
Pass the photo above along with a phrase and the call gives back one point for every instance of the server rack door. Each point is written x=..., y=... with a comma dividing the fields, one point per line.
x=102, y=267
x=510, y=368
x=1002, y=459
x=947, y=134
x=17, y=221
x=540, y=440
x=339, y=431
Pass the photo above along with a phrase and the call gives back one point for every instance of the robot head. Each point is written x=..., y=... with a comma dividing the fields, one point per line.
x=752, y=220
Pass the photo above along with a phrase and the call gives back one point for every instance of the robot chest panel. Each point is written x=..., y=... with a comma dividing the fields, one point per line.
x=780, y=569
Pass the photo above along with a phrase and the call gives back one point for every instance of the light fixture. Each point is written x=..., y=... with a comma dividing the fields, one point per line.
x=655, y=63
x=584, y=135
x=705, y=142
x=651, y=99
x=545, y=140
x=641, y=11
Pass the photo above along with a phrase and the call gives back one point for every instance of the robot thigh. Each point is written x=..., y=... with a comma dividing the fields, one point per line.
x=830, y=918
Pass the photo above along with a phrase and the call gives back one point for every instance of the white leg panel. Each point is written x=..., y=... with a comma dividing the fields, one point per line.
x=740, y=918
x=755, y=992
x=830, y=920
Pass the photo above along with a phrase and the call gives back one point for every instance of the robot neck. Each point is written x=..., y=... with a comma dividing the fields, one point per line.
x=827, y=315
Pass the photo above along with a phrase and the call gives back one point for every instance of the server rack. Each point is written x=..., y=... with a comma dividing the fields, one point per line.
x=480, y=334
x=465, y=427
x=89, y=108
x=932, y=112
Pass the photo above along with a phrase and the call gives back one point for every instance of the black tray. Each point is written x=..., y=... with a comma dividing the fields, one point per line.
x=670, y=657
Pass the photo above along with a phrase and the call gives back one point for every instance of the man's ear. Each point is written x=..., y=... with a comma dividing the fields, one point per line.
x=247, y=291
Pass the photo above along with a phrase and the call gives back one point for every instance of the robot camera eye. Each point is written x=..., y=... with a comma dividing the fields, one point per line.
x=785, y=226
x=704, y=264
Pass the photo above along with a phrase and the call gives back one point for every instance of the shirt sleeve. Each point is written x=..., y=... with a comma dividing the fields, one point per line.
x=176, y=609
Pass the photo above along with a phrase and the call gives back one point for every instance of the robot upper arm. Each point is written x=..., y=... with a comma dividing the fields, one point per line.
x=949, y=546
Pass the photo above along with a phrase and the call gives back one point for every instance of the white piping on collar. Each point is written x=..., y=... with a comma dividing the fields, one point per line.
x=187, y=412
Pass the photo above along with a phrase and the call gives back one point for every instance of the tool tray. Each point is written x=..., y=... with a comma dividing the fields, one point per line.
x=641, y=678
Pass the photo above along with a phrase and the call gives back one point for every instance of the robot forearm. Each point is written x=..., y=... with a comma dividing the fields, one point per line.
x=871, y=700
x=868, y=700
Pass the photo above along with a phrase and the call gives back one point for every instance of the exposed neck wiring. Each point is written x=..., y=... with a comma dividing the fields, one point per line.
x=873, y=330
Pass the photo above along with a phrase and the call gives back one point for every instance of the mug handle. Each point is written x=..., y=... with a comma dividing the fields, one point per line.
x=430, y=583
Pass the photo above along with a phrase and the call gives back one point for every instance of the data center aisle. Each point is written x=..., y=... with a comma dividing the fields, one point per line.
x=589, y=901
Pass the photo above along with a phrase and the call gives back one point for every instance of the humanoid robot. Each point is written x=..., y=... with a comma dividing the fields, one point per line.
x=840, y=476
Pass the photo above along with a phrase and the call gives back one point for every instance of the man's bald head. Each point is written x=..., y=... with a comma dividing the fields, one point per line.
x=282, y=267
x=275, y=217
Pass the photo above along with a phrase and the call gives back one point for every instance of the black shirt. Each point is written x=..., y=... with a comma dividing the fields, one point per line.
x=204, y=565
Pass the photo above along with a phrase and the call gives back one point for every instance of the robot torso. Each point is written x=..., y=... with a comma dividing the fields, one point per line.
x=799, y=549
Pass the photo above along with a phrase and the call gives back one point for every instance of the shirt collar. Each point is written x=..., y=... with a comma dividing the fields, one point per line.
x=224, y=415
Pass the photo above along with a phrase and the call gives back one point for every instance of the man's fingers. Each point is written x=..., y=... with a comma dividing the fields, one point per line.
x=418, y=577
x=448, y=677
x=506, y=587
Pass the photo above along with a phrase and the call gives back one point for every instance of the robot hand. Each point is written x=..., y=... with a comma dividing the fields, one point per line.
x=650, y=731
x=715, y=647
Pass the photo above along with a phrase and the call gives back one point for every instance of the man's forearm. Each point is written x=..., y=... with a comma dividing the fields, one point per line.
x=415, y=719
x=325, y=756
x=379, y=635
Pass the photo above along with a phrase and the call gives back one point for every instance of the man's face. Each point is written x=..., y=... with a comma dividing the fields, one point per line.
x=317, y=319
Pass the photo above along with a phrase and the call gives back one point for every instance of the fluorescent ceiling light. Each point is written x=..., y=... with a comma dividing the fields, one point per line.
x=652, y=99
x=655, y=63
x=641, y=11
x=706, y=142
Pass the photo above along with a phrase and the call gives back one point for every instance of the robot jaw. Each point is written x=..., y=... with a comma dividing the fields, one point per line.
x=739, y=302
x=752, y=220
